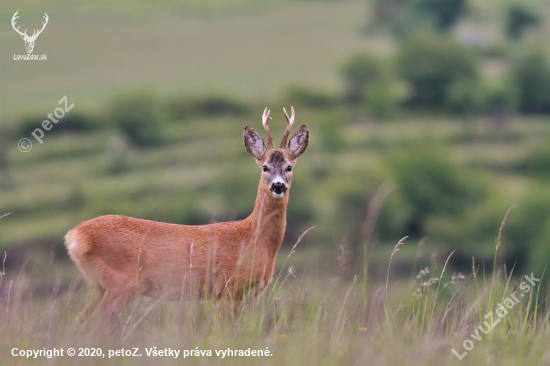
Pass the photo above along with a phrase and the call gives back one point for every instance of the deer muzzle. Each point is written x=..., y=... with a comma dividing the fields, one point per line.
x=278, y=188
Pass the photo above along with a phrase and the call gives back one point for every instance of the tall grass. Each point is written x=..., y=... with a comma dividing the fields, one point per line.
x=300, y=319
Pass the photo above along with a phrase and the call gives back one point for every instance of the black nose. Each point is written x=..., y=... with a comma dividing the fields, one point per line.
x=278, y=188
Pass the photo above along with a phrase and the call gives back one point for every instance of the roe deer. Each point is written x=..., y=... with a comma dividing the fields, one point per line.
x=124, y=257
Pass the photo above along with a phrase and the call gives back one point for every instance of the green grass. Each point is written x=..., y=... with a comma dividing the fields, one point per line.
x=318, y=318
x=74, y=177
x=98, y=50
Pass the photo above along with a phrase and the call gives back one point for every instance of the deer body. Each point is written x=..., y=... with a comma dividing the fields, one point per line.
x=124, y=257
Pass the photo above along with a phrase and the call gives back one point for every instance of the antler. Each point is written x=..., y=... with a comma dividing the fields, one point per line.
x=289, y=123
x=35, y=34
x=15, y=16
x=43, y=26
x=265, y=120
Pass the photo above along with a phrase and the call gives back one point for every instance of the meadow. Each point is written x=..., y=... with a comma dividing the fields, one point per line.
x=162, y=93
x=301, y=319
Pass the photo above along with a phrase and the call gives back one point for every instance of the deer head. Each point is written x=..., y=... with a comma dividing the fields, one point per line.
x=276, y=164
x=29, y=41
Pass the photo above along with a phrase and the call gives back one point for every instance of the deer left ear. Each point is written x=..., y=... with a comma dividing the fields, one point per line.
x=298, y=142
x=253, y=143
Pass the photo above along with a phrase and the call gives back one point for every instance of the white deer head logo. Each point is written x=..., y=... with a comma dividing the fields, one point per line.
x=29, y=41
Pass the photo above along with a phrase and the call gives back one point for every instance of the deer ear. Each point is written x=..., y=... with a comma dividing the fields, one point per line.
x=298, y=142
x=253, y=143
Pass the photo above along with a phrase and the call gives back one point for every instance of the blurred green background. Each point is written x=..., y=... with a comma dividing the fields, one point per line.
x=435, y=111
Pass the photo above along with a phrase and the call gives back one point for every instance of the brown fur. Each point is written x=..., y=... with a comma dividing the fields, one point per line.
x=125, y=257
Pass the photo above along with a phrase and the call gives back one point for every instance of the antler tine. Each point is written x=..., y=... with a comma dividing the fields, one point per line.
x=43, y=25
x=265, y=121
x=13, y=19
x=289, y=123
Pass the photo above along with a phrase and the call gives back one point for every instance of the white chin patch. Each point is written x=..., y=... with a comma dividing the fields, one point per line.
x=278, y=195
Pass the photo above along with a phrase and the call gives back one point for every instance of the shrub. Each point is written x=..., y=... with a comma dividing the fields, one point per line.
x=309, y=97
x=465, y=98
x=360, y=71
x=140, y=117
x=206, y=105
x=300, y=211
x=187, y=211
x=430, y=184
x=537, y=162
x=382, y=100
x=237, y=190
x=331, y=133
x=76, y=122
x=539, y=255
x=498, y=97
x=527, y=230
x=532, y=77
x=518, y=20
x=444, y=13
x=430, y=64
x=473, y=232
x=408, y=15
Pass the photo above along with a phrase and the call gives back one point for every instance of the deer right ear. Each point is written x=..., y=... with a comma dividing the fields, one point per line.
x=253, y=143
x=298, y=143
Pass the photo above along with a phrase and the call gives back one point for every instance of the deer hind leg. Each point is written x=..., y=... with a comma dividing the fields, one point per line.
x=91, y=306
x=118, y=296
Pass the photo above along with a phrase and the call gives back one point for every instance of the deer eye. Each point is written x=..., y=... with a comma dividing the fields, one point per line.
x=265, y=168
x=289, y=168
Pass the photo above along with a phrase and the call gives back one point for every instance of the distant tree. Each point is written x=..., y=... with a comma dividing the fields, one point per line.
x=519, y=19
x=314, y=98
x=383, y=99
x=207, y=105
x=465, y=98
x=429, y=185
x=360, y=71
x=431, y=64
x=530, y=227
x=499, y=101
x=499, y=98
x=532, y=77
x=537, y=162
x=140, y=117
x=330, y=133
x=407, y=15
x=445, y=13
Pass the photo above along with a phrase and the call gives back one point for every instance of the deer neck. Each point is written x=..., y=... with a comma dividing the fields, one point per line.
x=268, y=220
